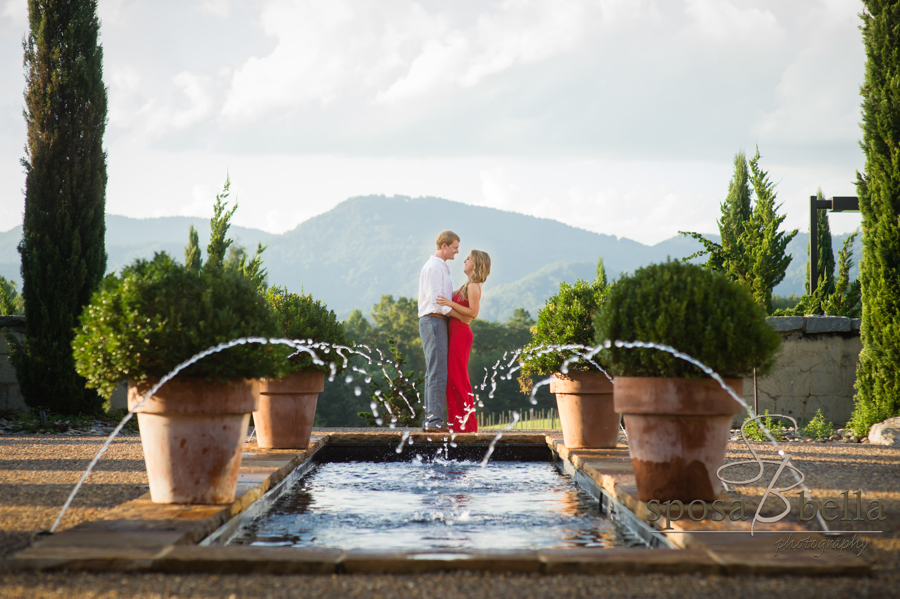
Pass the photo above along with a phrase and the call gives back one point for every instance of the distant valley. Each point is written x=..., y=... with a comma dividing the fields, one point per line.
x=371, y=246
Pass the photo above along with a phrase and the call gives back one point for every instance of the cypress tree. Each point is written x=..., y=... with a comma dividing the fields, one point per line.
x=763, y=258
x=221, y=253
x=192, y=251
x=601, y=279
x=62, y=248
x=878, y=372
x=825, y=264
x=752, y=249
x=218, y=228
x=735, y=210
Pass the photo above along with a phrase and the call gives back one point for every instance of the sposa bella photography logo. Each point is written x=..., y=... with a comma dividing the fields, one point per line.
x=851, y=507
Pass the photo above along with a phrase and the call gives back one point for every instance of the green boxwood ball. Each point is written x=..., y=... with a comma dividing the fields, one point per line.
x=696, y=311
x=158, y=313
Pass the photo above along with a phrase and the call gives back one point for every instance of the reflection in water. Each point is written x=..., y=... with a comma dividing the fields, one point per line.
x=435, y=505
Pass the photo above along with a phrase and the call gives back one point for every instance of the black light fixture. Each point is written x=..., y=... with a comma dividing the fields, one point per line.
x=835, y=204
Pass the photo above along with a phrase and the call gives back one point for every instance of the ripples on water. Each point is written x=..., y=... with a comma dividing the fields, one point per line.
x=438, y=504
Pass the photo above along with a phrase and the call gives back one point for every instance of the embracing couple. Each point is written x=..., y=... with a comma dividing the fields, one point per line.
x=444, y=317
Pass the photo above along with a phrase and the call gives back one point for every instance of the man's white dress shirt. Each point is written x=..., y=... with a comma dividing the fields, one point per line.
x=434, y=280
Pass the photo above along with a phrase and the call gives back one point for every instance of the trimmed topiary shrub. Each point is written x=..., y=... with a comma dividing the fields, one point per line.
x=158, y=313
x=566, y=319
x=304, y=318
x=696, y=311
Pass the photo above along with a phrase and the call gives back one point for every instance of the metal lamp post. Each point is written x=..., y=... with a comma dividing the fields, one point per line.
x=835, y=204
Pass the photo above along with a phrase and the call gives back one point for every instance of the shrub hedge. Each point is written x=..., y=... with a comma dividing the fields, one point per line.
x=694, y=310
x=567, y=318
x=158, y=313
x=303, y=317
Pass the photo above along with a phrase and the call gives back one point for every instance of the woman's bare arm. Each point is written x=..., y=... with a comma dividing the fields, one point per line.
x=454, y=314
x=474, y=293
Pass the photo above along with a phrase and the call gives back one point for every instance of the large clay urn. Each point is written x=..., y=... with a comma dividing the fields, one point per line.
x=678, y=431
x=193, y=432
x=287, y=408
x=586, y=410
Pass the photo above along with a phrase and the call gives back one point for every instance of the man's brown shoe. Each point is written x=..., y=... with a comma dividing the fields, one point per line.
x=437, y=429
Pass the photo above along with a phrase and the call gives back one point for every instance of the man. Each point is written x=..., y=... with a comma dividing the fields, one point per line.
x=434, y=281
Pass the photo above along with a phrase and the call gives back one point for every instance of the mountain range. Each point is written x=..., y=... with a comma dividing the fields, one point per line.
x=370, y=246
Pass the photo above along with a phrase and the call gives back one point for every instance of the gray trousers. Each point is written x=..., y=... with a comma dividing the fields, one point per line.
x=434, y=335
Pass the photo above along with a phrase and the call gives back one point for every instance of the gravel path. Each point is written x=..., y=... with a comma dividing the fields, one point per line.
x=37, y=473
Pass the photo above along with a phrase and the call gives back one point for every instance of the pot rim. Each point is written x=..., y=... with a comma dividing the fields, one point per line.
x=298, y=382
x=676, y=396
x=581, y=382
x=195, y=395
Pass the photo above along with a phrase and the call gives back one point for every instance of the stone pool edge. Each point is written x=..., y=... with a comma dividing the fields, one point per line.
x=140, y=536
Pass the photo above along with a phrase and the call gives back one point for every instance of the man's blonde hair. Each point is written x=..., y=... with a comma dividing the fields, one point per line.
x=446, y=238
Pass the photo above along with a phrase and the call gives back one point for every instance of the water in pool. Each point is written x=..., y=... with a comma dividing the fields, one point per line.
x=439, y=504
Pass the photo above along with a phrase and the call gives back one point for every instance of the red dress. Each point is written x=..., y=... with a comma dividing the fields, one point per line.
x=460, y=401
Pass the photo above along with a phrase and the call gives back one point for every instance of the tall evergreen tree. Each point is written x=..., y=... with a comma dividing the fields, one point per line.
x=736, y=210
x=218, y=225
x=878, y=372
x=825, y=264
x=763, y=258
x=62, y=248
x=192, y=258
x=845, y=299
x=601, y=279
x=752, y=249
x=221, y=253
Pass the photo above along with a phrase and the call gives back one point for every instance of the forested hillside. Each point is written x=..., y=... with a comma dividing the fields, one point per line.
x=371, y=246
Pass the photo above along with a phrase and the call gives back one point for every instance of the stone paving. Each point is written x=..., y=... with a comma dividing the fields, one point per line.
x=142, y=536
x=32, y=483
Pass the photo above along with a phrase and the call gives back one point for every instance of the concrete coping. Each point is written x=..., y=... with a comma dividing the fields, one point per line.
x=15, y=321
x=813, y=324
x=141, y=536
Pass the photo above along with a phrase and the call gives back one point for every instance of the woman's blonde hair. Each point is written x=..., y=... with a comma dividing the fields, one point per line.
x=479, y=274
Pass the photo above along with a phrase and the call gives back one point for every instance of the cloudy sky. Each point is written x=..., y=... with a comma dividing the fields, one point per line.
x=617, y=116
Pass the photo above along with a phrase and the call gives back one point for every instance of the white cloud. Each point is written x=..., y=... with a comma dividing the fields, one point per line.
x=192, y=104
x=217, y=8
x=325, y=49
x=810, y=102
x=109, y=12
x=721, y=22
x=430, y=69
x=395, y=50
x=201, y=201
x=17, y=13
x=642, y=201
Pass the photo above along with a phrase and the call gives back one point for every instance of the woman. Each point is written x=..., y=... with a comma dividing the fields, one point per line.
x=465, y=303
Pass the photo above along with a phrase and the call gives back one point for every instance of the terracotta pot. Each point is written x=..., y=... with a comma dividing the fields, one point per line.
x=677, y=430
x=287, y=408
x=193, y=432
x=586, y=411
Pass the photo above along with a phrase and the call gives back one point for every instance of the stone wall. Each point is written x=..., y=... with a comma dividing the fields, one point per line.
x=816, y=369
x=11, y=399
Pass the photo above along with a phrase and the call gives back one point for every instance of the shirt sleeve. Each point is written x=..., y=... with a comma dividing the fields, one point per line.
x=435, y=288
